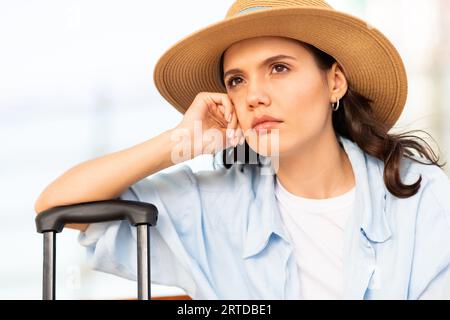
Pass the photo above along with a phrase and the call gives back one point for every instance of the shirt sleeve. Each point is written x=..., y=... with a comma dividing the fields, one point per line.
x=111, y=246
x=430, y=270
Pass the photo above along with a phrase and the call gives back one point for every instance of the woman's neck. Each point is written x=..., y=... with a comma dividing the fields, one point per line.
x=321, y=170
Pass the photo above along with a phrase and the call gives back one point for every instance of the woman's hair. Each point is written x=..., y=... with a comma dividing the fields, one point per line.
x=355, y=121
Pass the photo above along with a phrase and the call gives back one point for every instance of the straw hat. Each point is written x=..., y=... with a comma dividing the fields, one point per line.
x=370, y=62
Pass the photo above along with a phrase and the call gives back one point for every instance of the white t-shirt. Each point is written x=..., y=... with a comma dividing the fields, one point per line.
x=316, y=227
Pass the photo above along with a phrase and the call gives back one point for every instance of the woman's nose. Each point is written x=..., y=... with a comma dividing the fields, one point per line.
x=257, y=95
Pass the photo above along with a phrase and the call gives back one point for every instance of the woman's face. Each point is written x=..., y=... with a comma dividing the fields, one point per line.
x=293, y=90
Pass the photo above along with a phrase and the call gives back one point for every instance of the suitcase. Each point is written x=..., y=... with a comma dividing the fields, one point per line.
x=139, y=214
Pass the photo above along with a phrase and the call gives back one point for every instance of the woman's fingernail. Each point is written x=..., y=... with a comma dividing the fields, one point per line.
x=229, y=117
x=230, y=133
x=235, y=141
x=241, y=141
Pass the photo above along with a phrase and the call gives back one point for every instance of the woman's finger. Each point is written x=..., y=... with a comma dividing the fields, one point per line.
x=241, y=135
x=221, y=115
x=225, y=106
x=229, y=108
x=237, y=132
x=220, y=99
x=222, y=109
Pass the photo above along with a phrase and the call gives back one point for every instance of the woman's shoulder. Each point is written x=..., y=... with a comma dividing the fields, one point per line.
x=430, y=205
x=429, y=208
x=435, y=180
x=431, y=223
x=419, y=165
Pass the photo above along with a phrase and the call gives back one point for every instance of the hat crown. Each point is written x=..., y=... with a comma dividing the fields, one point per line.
x=372, y=64
x=246, y=6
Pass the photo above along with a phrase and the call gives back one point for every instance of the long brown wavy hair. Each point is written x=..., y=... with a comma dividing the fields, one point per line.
x=355, y=121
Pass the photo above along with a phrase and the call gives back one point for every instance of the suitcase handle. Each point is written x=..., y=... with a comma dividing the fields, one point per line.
x=54, y=219
x=142, y=215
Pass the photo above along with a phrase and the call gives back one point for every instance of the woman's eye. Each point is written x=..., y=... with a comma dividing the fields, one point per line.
x=230, y=82
x=278, y=67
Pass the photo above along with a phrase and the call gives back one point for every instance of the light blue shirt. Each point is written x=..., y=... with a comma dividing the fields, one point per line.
x=220, y=235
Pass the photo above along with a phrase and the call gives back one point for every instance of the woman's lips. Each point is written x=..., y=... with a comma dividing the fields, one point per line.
x=265, y=126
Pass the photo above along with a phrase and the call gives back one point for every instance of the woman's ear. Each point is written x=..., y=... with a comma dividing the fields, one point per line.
x=337, y=82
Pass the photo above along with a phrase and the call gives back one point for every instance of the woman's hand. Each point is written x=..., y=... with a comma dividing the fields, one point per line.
x=212, y=123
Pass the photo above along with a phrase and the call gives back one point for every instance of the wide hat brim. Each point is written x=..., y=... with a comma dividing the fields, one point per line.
x=371, y=63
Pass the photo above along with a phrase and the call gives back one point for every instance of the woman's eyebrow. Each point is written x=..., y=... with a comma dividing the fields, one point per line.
x=265, y=62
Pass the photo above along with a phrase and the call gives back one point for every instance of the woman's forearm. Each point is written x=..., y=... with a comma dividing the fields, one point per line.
x=108, y=176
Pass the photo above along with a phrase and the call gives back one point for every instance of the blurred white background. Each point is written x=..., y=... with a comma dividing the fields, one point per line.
x=76, y=82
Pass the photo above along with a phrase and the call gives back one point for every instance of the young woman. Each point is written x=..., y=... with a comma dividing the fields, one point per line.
x=334, y=207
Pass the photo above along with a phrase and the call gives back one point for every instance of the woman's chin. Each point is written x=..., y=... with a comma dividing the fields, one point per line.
x=266, y=148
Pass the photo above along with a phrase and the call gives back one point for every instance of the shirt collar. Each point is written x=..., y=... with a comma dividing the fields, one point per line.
x=371, y=193
x=264, y=218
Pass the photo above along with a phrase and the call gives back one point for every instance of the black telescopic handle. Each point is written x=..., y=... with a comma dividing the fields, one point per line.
x=136, y=212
